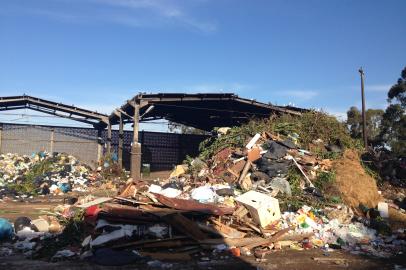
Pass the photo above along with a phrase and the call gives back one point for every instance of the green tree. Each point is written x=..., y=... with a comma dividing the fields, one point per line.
x=393, y=133
x=374, y=119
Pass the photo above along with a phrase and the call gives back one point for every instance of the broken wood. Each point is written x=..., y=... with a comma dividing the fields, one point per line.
x=185, y=225
x=245, y=170
x=130, y=200
x=130, y=214
x=95, y=202
x=255, y=228
x=233, y=173
x=301, y=170
x=167, y=242
x=227, y=231
x=189, y=205
x=266, y=242
x=240, y=212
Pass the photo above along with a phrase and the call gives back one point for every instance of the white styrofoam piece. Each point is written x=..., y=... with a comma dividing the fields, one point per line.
x=253, y=141
x=383, y=209
x=263, y=208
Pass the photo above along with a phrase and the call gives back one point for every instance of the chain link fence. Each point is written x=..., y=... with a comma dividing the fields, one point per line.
x=160, y=150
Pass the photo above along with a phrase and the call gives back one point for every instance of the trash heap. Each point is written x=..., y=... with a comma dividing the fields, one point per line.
x=224, y=206
x=244, y=196
x=41, y=174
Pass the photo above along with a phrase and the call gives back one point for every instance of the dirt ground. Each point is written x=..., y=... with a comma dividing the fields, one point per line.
x=287, y=259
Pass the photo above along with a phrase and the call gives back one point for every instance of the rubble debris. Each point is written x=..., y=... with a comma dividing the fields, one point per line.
x=22, y=176
x=40, y=224
x=189, y=205
x=244, y=199
x=203, y=194
x=178, y=171
x=185, y=225
x=281, y=184
x=21, y=222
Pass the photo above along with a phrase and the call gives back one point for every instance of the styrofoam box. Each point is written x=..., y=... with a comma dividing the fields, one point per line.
x=263, y=208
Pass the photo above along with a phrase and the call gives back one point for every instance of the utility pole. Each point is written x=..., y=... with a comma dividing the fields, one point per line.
x=364, y=118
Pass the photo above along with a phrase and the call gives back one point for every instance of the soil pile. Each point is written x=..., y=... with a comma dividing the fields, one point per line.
x=354, y=184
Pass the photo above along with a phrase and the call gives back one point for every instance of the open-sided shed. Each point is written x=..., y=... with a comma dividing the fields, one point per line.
x=202, y=111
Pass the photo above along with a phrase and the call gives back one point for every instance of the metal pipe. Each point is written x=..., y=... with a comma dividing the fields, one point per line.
x=120, y=142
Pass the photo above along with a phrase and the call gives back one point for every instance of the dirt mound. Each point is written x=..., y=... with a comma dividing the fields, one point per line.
x=354, y=184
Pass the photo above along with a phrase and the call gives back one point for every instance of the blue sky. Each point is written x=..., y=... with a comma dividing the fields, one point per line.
x=98, y=53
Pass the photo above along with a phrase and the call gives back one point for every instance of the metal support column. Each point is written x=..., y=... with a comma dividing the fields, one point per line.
x=120, y=141
x=52, y=141
x=109, y=138
x=99, y=144
x=1, y=134
x=136, y=146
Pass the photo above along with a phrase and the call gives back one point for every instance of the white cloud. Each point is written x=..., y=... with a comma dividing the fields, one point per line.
x=132, y=13
x=166, y=9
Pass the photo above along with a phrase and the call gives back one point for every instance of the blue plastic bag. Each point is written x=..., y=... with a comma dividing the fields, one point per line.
x=6, y=230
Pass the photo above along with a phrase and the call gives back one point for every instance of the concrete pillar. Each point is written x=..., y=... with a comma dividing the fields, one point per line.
x=52, y=141
x=99, y=145
x=136, y=146
x=109, y=138
x=120, y=141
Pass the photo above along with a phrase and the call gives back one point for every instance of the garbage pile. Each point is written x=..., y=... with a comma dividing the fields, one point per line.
x=148, y=227
x=41, y=174
x=225, y=206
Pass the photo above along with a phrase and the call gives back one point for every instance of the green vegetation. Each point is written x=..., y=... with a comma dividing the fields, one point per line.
x=386, y=134
x=373, y=117
x=324, y=179
x=72, y=235
x=27, y=183
x=294, y=176
x=310, y=126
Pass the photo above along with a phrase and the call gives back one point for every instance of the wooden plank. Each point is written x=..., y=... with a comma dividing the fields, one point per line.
x=185, y=225
x=95, y=202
